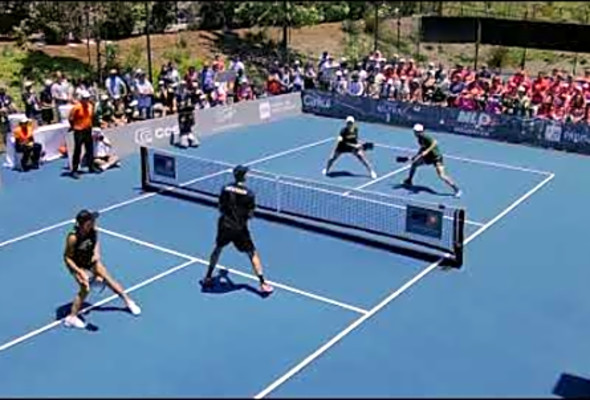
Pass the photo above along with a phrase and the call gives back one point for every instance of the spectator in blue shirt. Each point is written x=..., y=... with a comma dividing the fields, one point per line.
x=115, y=85
x=207, y=79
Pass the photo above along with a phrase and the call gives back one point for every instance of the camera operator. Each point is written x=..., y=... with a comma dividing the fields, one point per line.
x=186, y=117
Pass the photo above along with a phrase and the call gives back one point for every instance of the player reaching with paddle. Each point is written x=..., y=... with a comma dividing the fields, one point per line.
x=82, y=258
x=348, y=143
x=428, y=154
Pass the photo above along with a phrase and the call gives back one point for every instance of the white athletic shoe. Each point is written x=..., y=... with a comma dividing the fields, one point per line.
x=373, y=175
x=325, y=171
x=72, y=321
x=134, y=308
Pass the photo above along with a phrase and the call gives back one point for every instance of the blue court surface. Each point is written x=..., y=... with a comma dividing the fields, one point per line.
x=345, y=320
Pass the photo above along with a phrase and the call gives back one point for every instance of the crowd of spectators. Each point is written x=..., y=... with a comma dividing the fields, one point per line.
x=128, y=96
x=125, y=97
x=559, y=96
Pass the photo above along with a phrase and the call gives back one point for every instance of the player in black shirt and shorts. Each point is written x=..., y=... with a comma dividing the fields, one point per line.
x=82, y=258
x=236, y=204
x=348, y=143
x=429, y=154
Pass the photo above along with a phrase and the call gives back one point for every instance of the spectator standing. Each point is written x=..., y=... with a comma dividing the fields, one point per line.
x=7, y=107
x=144, y=93
x=31, y=102
x=47, y=103
x=81, y=120
x=115, y=85
x=61, y=90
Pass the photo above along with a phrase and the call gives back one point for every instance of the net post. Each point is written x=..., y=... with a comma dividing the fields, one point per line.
x=144, y=168
x=459, y=233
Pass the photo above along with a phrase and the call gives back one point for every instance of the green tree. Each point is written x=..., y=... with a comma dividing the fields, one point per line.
x=162, y=15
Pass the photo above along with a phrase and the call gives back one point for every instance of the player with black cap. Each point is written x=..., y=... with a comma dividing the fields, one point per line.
x=82, y=258
x=236, y=204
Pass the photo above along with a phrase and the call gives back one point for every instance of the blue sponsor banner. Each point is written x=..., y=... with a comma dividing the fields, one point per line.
x=507, y=128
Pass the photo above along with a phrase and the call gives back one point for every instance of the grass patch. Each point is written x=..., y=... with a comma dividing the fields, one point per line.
x=18, y=65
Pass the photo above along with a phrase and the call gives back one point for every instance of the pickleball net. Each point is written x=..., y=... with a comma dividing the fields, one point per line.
x=431, y=228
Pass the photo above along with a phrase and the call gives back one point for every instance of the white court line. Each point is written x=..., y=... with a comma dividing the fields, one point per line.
x=473, y=161
x=56, y=323
x=390, y=174
x=190, y=260
x=372, y=182
x=326, y=346
x=148, y=195
x=233, y=271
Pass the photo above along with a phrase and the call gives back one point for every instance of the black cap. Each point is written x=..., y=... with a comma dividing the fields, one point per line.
x=240, y=171
x=85, y=215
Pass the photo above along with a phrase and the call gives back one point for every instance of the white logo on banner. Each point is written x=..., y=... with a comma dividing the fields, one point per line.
x=146, y=136
x=553, y=133
x=317, y=102
x=264, y=109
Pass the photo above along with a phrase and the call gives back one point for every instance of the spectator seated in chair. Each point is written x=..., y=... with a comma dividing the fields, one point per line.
x=104, y=156
x=25, y=145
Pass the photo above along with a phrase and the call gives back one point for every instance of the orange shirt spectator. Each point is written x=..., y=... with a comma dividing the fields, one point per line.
x=23, y=134
x=81, y=116
x=25, y=144
x=273, y=85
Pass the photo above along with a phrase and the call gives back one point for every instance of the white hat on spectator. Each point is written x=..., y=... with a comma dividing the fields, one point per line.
x=85, y=94
x=28, y=83
x=402, y=60
x=104, y=96
x=350, y=119
x=418, y=128
x=521, y=89
x=338, y=73
x=24, y=120
x=48, y=82
x=139, y=71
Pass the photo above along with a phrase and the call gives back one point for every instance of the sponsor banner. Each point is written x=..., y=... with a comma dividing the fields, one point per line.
x=533, y=131
x=159, y=132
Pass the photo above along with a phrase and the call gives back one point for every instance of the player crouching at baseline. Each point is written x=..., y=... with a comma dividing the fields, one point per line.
x=82, y=258
x=348, y=143
x=236, y=204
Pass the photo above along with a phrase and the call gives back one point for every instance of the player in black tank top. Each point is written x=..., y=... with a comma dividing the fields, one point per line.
x=82, y=258
x=236, y=205
x=348, y=142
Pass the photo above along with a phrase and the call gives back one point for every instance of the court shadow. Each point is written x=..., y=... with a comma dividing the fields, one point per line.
x=572, y=387
x=223, y=284
x=417, y=189
x=341, y=174
x=62, y=311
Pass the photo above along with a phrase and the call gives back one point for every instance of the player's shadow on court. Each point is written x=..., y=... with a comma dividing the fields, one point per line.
x=417, y=189
x=572, y=387
x=342, y=174
x=223, y=284
x=63, y=311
